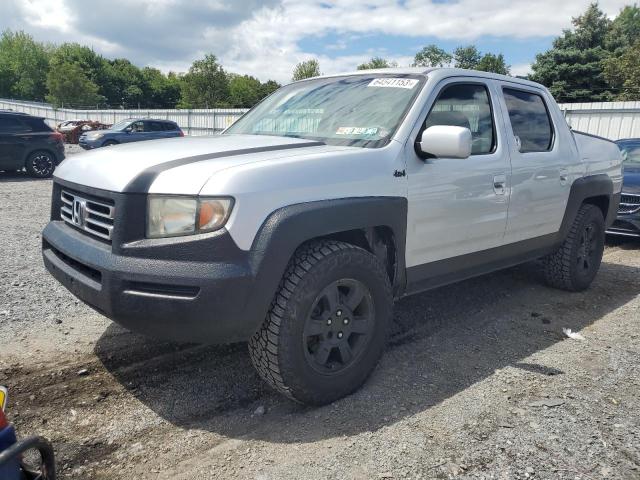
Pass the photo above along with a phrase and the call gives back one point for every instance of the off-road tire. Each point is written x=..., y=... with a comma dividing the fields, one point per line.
x=278, y=349
x=564, y=268
x=40, y=164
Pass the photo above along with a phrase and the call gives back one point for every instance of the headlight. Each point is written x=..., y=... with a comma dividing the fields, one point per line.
x=95, y=136
x=174, y=216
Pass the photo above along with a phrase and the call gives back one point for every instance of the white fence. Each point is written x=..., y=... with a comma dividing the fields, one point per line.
x=613, y=120
x=192, y=122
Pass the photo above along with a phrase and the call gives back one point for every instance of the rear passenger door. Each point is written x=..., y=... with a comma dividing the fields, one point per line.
x=156, y=130
x=12, y=142
x=458, y=206
x=540, y=178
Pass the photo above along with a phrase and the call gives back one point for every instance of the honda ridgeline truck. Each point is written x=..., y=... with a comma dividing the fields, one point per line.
x=298, y=227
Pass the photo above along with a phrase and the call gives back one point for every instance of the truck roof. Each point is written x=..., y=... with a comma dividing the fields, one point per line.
x=438, y=72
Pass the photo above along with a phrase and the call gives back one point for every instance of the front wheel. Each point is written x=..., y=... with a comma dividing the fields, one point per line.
x=40, y=164
x=576, y=262
x=327, y=325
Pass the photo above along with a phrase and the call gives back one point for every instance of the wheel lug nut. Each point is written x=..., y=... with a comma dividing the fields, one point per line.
x=345, y=321
x=329, y=322
x=339, y=313
x=339, y=334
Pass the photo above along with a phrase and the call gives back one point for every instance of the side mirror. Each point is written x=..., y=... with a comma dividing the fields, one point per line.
x=445, y=141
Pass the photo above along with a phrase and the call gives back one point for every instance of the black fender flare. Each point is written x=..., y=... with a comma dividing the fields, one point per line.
x=584, y=188
x=287, y=228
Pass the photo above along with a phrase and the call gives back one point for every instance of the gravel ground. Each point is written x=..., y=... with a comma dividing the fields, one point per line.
x=479, y=381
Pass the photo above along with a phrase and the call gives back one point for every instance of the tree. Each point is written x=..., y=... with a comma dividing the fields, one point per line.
x=623, y=72
x=205, y=85
x=124, y=83
x=268, y=88
x=573, y=68
x=493, y=63
x=432, y=56
x=624, y=30
x=306, y=69
x=621, y=67
x=244, y=91
x=69, y=85
x=94, y=66
x=466, y=57
x=160, y=91
x=23, y=66
x=377, y=62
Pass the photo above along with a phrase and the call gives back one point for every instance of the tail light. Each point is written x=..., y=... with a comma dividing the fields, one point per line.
x=181, y=133
x=57, y=136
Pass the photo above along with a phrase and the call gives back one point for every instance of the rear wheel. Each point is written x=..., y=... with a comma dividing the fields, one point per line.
x=327, y=325
x=40, y=164
x=575, y=264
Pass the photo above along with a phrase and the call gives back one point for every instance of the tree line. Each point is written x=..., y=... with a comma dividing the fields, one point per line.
x=596, y=60
x=74, y=75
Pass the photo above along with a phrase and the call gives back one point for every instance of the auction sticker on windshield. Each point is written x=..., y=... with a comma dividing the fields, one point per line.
x=393, y=82
x=357, y=131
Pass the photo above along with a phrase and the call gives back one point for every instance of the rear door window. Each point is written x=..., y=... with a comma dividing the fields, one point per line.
x=155, y=126
x=38, y=125
x=530, y=120
x=11, y=125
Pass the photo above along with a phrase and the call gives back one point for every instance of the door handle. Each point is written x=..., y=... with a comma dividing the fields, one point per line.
x=499, y=184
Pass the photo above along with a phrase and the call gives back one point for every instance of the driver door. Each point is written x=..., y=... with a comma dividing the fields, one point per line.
x=458, y=206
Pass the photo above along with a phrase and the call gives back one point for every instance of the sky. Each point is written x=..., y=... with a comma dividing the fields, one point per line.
x=268, y=38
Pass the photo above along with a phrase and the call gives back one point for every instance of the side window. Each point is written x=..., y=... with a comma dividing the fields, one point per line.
x=11, y=125
x=529, y=120
x=466, y=105
x=155, y=126
x=138, y=127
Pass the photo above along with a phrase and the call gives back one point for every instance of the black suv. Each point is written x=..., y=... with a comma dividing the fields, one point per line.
x=28, y=142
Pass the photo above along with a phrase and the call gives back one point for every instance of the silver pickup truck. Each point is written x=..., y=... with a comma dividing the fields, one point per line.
x=298, y=227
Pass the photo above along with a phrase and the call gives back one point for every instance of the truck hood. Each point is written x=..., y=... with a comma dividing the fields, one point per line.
x=176, y=165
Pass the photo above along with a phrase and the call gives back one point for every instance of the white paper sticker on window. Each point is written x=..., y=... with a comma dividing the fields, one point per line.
x=393, y=82
x=357, y=131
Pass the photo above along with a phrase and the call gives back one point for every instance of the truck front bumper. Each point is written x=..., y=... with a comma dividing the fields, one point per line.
x=145, y=290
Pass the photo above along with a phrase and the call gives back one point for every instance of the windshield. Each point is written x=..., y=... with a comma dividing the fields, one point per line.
x=121, y=125
x=630, y=153
x=360, y=110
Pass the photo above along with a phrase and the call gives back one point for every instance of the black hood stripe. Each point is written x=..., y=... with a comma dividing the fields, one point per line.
x=142, y=183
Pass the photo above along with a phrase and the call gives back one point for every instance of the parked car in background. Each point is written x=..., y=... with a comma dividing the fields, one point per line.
x=130, y=130
x=627, y=223
x=28, y=142
x=73, y=129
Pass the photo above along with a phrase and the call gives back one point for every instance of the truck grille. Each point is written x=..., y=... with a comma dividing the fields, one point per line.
x=92, y=216
x=629, y=203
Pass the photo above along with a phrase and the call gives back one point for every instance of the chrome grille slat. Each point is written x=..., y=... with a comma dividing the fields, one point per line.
x=92, y=216
x=109, y=215
x=629, y=203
